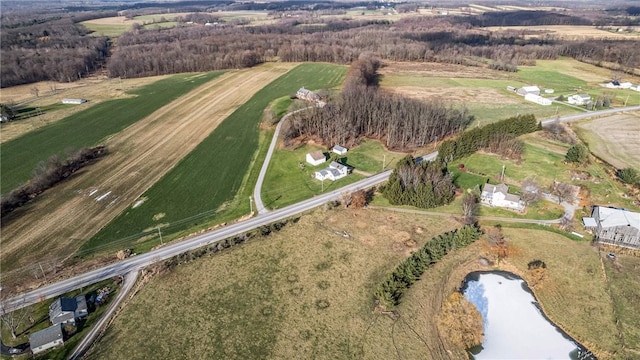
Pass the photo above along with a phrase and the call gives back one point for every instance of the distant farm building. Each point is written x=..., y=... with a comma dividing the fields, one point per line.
x=316, y=158
x=537, y=99
x=334, y=172
x=528, y=90
x=74, y=101
x=615, y=226
x=498, y=195
x=304, y=94
x=339, y=150
x=511, y=88
x=579, y=99
x=549, y=91
x=615, y=84
x=46, y=339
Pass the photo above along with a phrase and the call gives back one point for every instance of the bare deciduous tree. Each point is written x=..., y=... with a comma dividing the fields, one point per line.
x=470, y=207
x=531, y=191
x=563, y=191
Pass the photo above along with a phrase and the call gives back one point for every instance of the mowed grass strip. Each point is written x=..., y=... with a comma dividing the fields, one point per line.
x=216, y=170
x=20, y=156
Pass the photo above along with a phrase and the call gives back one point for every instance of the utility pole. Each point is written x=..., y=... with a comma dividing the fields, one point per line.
x=43, y=274
x=160, y=234
x=251, y=204
x=384, y=161
x=625, y=102
x=502, y=177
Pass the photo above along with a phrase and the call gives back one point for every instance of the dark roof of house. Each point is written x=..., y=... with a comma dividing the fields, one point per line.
x=317, y=155
x=62, y=305
x=42, y=337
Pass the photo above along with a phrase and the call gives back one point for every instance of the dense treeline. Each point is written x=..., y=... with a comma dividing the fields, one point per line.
x=479, y=138
x=47, y=174
x=425, y=185
x=391, y=290
x=362, y=110
x=56, y=50
x=524, y=18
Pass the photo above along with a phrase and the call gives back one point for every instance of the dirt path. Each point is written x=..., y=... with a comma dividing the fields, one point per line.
x=61, y=220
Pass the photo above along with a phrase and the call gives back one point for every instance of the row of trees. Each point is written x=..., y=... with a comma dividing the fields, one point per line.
x=47, y=174
x=392, y=288
x=425, y=185
x=479, y=138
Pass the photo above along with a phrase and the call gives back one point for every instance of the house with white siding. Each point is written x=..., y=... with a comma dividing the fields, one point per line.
x=316, y=158
x=334, y=172
x=498, y=196
x=614, y=226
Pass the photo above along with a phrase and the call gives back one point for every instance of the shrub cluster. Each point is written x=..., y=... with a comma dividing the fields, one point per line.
x=475, y=139
x=411, y=269
x=423, y=185
x=47, y=174
x=264, y=230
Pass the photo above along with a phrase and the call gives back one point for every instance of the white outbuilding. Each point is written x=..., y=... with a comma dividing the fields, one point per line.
x=316, y=158
x=538, y=99
x=339, y=150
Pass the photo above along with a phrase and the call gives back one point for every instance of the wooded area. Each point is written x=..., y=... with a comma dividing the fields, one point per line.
x=58, y=48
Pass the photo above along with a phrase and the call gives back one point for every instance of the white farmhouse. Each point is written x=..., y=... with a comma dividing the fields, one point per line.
x=334, y=172
x=316, y=158
x=498, y=195
x=579, y=99
x=537, y=99
x=615, y=226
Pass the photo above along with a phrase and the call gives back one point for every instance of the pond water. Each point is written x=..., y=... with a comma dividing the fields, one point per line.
x=514, y=326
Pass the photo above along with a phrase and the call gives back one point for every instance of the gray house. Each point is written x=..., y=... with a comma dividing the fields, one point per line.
x=44, y=340
x=67, y=310
x=614, y=226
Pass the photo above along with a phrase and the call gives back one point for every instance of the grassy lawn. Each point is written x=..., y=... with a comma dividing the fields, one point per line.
x=287, y=183
x=40, y=314
x=623, y=277
x=20, y=156
x=306, y=292
x=213, y=183
x=109, y=30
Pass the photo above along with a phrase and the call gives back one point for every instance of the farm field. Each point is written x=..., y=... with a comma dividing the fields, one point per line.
x=67, y=216
x=307, y=292
x=615, y=139
x=485, y=95
x=117, y=25
x=20, y=156
x=570, y=32
x=210, y=185
x=48, y=108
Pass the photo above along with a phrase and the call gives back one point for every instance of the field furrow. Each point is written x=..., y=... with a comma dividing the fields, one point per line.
x=63, y=218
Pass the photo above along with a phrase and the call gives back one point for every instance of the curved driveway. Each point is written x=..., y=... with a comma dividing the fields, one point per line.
x=141, y=261
x=265, y=165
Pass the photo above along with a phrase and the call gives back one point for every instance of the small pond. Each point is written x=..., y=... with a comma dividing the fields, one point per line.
x=514, y=326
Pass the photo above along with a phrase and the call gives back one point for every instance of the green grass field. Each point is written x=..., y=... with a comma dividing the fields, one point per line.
x=20, y=156
x=213, y=183
x=306, y=292
x=286, y=182
x=109, y=30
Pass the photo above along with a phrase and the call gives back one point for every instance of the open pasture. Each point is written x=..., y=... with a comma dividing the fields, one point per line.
x=212, y=180
x=307, y=292
x=67, y=216
x=615, y=138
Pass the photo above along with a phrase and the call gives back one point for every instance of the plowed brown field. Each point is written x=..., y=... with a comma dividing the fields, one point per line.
x=58, y=222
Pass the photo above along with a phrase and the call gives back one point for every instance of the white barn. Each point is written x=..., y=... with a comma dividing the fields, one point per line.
x=538, y=99
x=615, y=226
x=528, y=90
x=498, y=195
x=316, y=158
x=339, y=150
x=74, y=101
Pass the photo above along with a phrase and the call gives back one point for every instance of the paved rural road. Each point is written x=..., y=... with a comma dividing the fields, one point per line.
x=260, y=208
x=84, y=344
x=139, y=262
